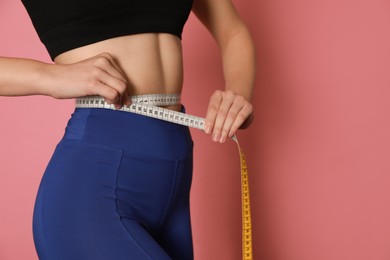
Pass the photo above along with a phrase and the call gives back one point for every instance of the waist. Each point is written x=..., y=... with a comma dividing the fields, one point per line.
x=150, y=62
x=129, y=132
x=168, y=101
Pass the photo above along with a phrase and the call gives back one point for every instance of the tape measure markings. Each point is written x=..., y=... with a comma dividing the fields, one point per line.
x=247, y=251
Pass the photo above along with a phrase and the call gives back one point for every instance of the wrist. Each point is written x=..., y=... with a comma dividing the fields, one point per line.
x=244, y=90
x=45, y=79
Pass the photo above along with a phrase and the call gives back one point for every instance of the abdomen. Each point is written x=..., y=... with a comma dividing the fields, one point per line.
x=152, y=62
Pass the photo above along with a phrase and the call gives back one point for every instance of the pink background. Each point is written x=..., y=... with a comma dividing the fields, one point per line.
x=318, y=152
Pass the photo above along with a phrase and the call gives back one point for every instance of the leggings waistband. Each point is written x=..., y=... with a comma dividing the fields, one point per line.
x=130, y=132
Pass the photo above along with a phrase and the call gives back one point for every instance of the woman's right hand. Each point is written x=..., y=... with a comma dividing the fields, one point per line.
x=98, y=75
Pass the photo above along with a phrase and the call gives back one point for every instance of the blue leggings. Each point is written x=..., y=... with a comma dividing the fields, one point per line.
x=117, y=187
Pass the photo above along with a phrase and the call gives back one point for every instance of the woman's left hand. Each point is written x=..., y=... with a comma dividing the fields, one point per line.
x=226, y=113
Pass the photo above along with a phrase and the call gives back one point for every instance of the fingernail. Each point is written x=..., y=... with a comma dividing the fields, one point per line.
x=231, y=134
x=222, y=140
x=216, y=138
x=207, y=130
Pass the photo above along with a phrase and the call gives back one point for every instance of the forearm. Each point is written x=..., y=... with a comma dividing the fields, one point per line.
x=239, y=63
x=230, y=109
x=23, y=77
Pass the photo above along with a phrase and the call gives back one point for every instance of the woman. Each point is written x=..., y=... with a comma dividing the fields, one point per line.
x=117, y=185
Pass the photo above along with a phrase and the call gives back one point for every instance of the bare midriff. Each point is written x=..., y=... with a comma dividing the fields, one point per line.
x=151, y=62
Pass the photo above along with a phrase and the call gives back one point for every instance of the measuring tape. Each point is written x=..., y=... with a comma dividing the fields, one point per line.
x=148, y=105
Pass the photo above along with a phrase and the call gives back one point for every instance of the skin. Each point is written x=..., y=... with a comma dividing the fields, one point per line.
x=147, y=63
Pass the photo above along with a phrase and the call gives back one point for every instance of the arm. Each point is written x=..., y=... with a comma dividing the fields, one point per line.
x=230, y=109
x=21, y=77
x=98, y=75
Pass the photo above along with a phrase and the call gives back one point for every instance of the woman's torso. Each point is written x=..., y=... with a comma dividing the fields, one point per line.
x=152, y=62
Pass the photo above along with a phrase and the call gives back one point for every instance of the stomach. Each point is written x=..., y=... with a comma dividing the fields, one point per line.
x=152, y=62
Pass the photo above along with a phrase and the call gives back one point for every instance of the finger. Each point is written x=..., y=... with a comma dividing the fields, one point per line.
x=116, y=84
x=113, y=82
x=107, y=63
x=227, y=101
x=125, y=95
x=110, y=95
x=212, y=110
x=126, y=100
x=247, y=122
x=234, y=110
x=244, y=114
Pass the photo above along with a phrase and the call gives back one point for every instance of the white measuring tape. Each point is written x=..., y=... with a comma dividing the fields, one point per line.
x=148, y=105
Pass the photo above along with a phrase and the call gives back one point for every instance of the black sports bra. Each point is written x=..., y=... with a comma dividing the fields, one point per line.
x=68, y=24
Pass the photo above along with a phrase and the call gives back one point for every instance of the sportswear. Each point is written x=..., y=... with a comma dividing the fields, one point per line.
x=117, y=187
x=68, y=24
